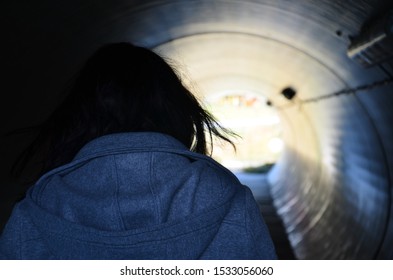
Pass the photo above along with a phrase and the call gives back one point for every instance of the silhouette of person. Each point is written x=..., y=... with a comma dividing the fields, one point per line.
x=125, y=173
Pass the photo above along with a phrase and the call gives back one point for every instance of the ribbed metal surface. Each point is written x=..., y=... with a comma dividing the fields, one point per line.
x=332, y=187
x=334, y=203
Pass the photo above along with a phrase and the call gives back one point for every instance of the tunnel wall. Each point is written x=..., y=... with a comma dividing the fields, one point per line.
x=332, y=186
x=334, y=199
x=375, y=103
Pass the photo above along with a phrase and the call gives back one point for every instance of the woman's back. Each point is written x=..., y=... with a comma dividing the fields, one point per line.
x=124, y=173
x=137, y=196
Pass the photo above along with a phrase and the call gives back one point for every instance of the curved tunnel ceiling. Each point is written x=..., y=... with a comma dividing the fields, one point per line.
x=332, y=186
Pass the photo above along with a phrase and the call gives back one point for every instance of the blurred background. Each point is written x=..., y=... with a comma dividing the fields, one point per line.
x=307, y=85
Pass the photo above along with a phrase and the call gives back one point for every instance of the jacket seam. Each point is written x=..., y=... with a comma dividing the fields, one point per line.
x=156, y=228
x=254, y=244
x=41, y=237
x=20, y=236
x=120, y=216
x=232, y=223
x=207, y=227
x=156, y=197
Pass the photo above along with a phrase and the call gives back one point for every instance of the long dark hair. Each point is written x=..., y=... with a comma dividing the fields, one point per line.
x=122, y=88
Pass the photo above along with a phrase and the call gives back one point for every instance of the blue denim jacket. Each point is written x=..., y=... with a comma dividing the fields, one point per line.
x=137, y=196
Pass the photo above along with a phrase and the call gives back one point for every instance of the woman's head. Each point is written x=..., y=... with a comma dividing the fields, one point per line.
x=124, y=88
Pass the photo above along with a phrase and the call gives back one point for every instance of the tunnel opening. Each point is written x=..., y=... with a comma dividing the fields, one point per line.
x=259, y=145
x=257, y=127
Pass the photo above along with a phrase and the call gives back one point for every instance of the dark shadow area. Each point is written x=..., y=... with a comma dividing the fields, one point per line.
x=260, y=187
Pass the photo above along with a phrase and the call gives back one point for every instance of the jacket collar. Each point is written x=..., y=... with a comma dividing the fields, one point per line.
x=129, y=142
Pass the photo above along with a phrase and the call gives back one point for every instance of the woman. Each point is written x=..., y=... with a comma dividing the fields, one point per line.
x=125, y=174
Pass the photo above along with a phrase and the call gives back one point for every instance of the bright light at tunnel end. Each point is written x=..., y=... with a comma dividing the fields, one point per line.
x=276, y=145
x=258, y=125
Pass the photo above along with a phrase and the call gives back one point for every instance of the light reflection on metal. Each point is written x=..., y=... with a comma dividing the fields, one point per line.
x=375, y=43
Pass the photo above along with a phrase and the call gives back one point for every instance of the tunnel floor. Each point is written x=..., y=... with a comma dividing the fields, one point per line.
x=260, y=188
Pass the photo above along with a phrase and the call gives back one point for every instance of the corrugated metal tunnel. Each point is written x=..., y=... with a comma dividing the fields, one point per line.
x=333, y=184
